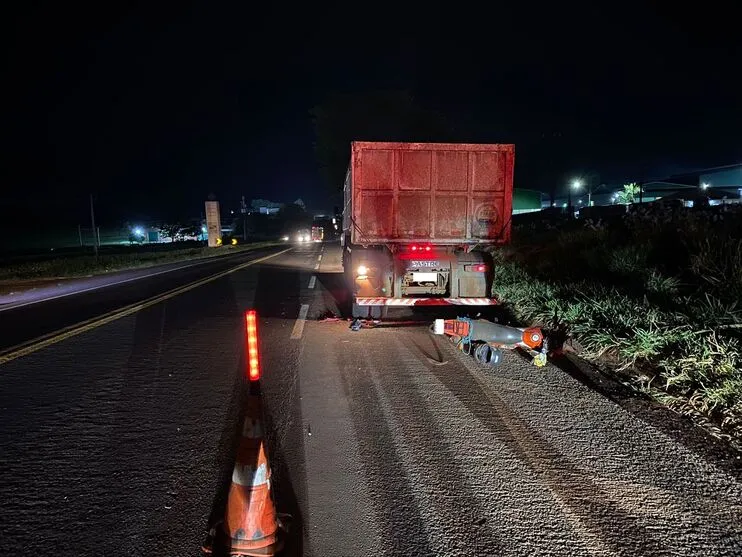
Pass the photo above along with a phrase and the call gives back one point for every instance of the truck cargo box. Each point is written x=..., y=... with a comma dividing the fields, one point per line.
x=441, y=193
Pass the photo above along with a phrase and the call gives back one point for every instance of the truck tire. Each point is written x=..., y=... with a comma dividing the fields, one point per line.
x=369, y=312
x=360, y=312
x=379, y=312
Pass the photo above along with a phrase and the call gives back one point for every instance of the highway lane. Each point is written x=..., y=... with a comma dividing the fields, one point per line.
x=22, y=323
x=385, y=441
x=398, y=444
x=117, y=441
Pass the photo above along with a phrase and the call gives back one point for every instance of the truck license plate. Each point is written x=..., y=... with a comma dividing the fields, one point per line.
x=424, y=277
x=424, y=264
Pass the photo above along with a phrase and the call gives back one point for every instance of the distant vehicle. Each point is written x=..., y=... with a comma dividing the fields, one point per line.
x=318, y=233
x=303, y=235
x=415, y=218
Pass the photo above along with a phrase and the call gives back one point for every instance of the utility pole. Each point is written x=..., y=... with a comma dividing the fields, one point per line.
x=243, y=208
x=569, y=202
x=92, y=222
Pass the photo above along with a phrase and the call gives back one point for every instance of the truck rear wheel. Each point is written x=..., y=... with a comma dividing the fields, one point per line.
x=369, y=312
x=359, y=312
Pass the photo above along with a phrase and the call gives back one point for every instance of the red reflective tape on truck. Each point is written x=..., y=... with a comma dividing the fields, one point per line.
x=253, y=354
x=425, y=301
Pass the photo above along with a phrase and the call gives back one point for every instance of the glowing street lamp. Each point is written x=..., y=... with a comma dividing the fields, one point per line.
x=704, y=186
x=577, y=185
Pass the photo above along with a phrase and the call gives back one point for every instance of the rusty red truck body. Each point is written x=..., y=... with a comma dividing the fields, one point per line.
x=415, y=219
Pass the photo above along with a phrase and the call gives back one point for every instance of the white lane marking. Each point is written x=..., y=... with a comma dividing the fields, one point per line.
x=312, y=281
x=319, y=257
x=108, y=284
x=299, y=325
x=316, y=266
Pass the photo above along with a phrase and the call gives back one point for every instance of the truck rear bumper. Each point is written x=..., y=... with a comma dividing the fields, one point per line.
x=425, y=301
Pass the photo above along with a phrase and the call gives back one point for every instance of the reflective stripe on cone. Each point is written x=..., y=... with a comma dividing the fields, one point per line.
x=250, y=521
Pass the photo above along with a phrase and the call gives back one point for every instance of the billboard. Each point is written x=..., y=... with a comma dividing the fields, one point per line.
x=213, y=224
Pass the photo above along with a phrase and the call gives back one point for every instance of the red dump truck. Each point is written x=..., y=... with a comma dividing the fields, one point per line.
x=415, y=219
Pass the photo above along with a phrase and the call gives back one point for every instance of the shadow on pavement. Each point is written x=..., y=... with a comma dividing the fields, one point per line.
x=679, y=428
x=336, y=292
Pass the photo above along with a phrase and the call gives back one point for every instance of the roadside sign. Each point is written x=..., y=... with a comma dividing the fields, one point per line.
x=213, y=223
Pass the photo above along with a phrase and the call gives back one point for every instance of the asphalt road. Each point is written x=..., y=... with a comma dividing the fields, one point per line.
x=385, y=441
x=24, y=316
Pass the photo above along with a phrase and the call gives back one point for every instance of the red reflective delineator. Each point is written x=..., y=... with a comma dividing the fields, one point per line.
x=253, y=354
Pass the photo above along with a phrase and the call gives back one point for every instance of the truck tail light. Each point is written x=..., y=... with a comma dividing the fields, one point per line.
x=253, y=355
x=415, y=247
x=479, y=268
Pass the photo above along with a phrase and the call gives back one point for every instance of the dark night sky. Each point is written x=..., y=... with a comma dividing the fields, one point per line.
x=154, y=105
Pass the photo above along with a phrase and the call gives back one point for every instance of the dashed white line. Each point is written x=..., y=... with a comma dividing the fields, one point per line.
x=299, y=325
x=316, y=266
x=312, y=281
x=319, y=257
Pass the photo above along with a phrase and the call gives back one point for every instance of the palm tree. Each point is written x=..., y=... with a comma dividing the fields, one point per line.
x=629, y=193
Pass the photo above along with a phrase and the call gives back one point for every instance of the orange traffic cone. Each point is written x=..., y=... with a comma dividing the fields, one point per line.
x=250, y=522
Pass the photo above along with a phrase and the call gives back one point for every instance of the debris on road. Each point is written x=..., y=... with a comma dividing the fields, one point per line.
x=485, y=340
x=328, y=316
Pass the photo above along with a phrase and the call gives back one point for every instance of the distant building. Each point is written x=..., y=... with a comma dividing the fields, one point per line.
x=722, y=185
x=265, y=207
x=526, y=201
x=725, y=177
x=718, y=185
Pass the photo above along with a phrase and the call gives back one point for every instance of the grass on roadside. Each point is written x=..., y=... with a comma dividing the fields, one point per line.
x=84, y=265
x=654, y=297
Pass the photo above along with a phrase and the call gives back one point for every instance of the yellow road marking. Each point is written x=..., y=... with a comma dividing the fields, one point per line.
x=54, y=337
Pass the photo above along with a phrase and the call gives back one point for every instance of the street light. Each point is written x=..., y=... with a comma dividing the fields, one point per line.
x=577, y=184
x=704, y=186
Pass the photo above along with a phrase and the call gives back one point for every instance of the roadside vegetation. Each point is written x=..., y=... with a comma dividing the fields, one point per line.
x=83, y=265
x=653, y=296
